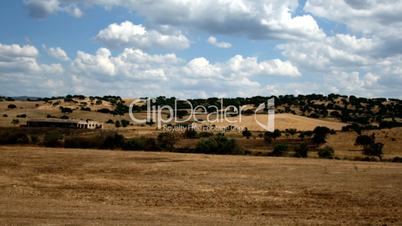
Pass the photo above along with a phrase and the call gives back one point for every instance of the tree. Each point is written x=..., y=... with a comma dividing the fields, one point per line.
x=302, y=151
x=220, y=145
x=246, y=133
x=279, y=150
x=277, y=133
x=167, y=140
x=291, y=131
x=364, y=140
x=125, y=123
x=374, y=149
x=320, y=135
x=190, y=133
x=11, y=106
x=326, y=152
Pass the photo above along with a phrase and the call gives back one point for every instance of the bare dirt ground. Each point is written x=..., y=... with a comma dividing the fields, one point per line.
x=40, y=186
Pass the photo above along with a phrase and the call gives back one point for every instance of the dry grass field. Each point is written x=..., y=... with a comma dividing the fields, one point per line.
x=42, y=186
x=343, y=142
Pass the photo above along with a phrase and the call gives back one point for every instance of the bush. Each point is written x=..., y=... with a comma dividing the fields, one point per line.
x=117, y=124
x=364, y=140
x=374, y=149
x=246, y=133
x=280, y=150
x=218, y=144
x=53, y=139
x=15, y=122
x=112, y=141
x=12, y=106
x=326, y=152
x=167, y=140
x=140, y=143
x=66, y=110
x=110, y=121
x=205, y=134
x=14, y=138
x=5, y=115
x=82, y=142
x=125, y=123
x=104, y=110
x=302, y=151
x=22, y=116
x=397, y=159
x=190, y=134
x=34, y=139
x=85, y=109
x=319, y=139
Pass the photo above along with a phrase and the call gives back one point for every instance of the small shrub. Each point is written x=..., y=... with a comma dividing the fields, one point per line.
x=112, y=141
x=110, y=121
x=280, y=150
x=15, y=122
x=205, y=134
x=34, y=139
x=117, y=124
x=302, y=151
x=5, y=115
x=12, y=106
x=53, y=139
x=374, y=149
x=125, y=123
x=326, y=152
x=14, y=138
x=64, y=117
x=104, y=110
x=140, y=143
x=246, y=133
x=218, y=144
x=85, y=109
x=190, y=134
x=22, y=116
x=65, y=110
x=167, y=140
x=364, y=140
x=397, y=159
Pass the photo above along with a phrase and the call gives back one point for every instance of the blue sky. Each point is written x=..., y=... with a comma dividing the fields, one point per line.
x=200, y=48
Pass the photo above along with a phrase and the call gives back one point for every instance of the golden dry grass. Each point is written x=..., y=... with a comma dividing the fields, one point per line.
x=86, y=187
x=343, y=142
x=282, y=122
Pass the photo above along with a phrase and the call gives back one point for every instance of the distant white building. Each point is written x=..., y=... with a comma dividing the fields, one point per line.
x=64, y=123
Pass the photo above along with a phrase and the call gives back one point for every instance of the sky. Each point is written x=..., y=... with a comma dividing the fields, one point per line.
x=200, y=48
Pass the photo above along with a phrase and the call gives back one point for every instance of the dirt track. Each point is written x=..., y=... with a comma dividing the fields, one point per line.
x=89, y=187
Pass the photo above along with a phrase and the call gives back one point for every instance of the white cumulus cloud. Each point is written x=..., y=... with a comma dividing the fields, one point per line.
x=214, y=41
x=57, y=52
x=127, y=34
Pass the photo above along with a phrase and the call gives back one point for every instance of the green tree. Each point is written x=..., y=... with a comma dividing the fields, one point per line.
x=374, y=149
x=302, y=151
x=280, y=150
x=326, y=152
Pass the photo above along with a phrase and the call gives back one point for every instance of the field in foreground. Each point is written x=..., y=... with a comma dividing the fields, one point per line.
x=87, y=187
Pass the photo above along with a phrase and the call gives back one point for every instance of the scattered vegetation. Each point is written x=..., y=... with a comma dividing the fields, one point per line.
x=326, y=152
x=302, y=151
x=218, y=144
x=12, y=106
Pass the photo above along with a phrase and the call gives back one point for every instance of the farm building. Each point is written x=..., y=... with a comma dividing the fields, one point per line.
x=64, y=123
